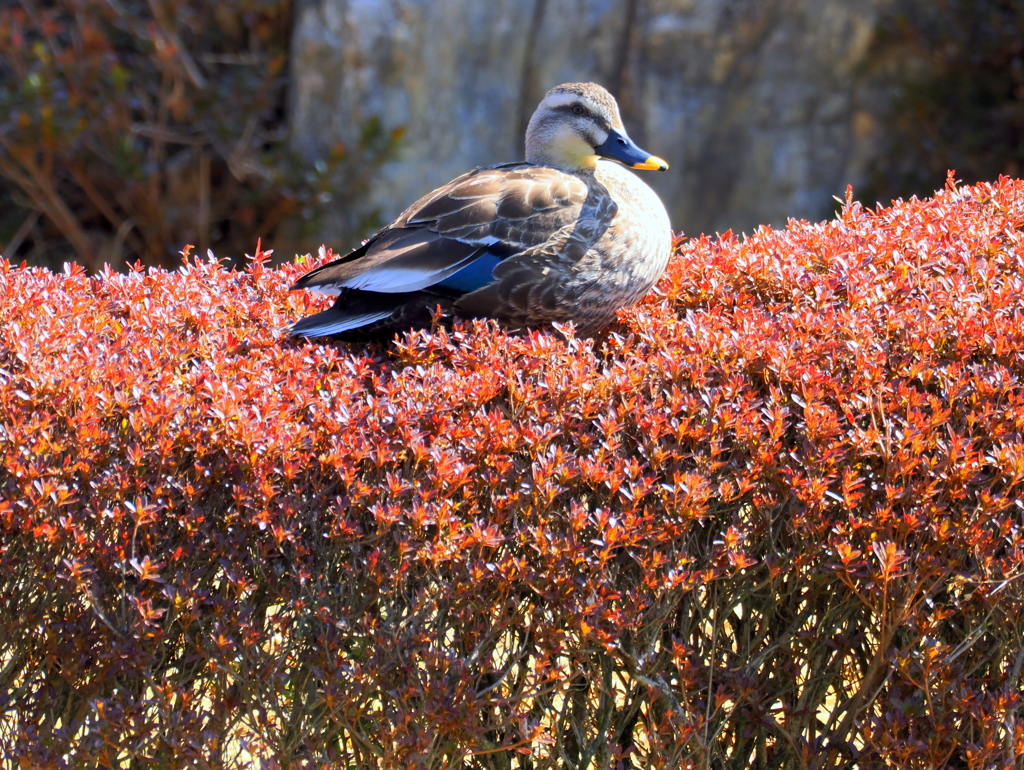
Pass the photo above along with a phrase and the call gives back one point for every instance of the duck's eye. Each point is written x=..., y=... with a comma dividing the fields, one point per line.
x=577, y=109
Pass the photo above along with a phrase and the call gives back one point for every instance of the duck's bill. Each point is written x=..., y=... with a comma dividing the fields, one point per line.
x=653, y=163
x=620, y=147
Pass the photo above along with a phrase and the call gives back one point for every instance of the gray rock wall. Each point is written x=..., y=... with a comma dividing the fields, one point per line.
x=765, y=109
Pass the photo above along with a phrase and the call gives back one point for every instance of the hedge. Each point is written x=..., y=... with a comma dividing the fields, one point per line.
x=771, y=519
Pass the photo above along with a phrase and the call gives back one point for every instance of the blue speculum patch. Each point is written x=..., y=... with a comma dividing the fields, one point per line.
x=473, y=276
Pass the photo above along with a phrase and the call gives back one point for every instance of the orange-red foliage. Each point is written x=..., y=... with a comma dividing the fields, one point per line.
x=772, y=520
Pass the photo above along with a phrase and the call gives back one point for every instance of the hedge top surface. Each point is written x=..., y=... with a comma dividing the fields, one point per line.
x=776, y=510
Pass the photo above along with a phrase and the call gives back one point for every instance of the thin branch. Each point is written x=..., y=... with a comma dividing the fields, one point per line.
x=20, y=235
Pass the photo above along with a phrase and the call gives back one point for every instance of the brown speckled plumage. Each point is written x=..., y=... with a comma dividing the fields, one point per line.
x=570, y=237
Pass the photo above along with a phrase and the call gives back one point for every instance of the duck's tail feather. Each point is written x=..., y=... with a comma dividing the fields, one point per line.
x=358, y=314
x=334, y=321
x=351, y=310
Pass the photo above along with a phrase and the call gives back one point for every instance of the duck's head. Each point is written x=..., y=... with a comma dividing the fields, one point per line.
x=577, y=123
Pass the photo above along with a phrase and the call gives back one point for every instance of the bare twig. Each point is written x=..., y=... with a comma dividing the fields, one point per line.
x=203, y=218
x=38, y=186
x=187, y=62
x=20, y=235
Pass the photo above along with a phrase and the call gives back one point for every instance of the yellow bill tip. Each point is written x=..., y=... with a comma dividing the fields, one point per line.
x=653, y=163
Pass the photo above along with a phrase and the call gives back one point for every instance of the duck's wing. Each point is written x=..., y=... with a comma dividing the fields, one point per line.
x=536, y=285
x=481, y=217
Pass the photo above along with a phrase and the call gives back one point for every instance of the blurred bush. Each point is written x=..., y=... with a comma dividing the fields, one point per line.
x=772, y=520
x=960, y=95
x=131, y=127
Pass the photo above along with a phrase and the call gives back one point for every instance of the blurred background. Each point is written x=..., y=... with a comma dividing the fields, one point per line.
x=129, y=128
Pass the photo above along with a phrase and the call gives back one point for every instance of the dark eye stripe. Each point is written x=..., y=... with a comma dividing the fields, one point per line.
x=568, y=108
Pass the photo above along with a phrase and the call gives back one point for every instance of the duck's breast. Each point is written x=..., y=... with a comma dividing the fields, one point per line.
x=632, y=253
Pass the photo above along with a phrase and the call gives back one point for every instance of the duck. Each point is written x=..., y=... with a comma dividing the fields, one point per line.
x=570, y=235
